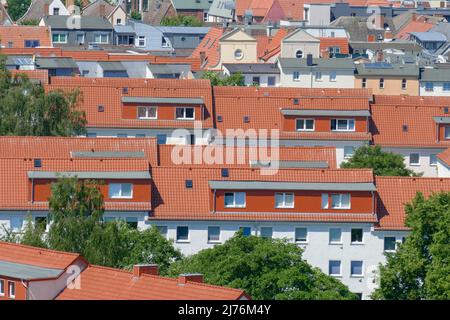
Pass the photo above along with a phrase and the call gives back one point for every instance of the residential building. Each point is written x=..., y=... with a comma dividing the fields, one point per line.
x=430, y=41
x=434, y=81
x=257, y=74
x=42, y=8
x=208, y=51
x=195, y=8
x=237, y=46
x=221, y=11
x=115, y=14
x=58, y=66
x=388, y=79
x=317, y=14
x=14, y=37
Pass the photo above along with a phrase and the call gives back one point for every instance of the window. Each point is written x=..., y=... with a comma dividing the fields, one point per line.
x=266, y=232
x=185, y=113
x=31, y=43
x=205, y=16
x=447, y=132
x=56, y=11
x=356, y=235
x=235, y=200
x=101, y=38
x=122, y=135
x=356, y=268
x=340, y=201
x=2, y=288
x=41, y=222
x=301, y=235
x=414, y=159
x=296, y=76
x=446, y=86
x=284, y=200
x=389, y=243
x=120, y=190
x=324, y=200
x=213, y=234
x=238, y=54
x=404, y=84
x=342, y=124
x=161, y=139
x=140, y=135
x=381, y=84
x=348, y=152
x=141, y=41
x=183, y=234
x=80, y=38
x=299, y=54
x=256, y=81
x=318, y=76
x=270, y=81
x=162, y=230
x=118, y=21
x=334, y=267
x=246, y=231
x=16, y=223
x=433, y=160
x=364, y=83
x=132, y=222
x=147, y=112
x=304, y=124
x=59, y=38
x=429, y=86
x=332, y=76
x=165, y=43
x=91, y=135
x=12, y=289
x=335, y=235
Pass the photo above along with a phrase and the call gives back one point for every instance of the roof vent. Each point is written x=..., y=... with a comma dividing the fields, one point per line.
x=37, y=163
x=405, y=128
x=296, y=101
x=445, y=110
x=188, y=184
x=219, y=119
x=225, y=172
x=246, y=119
x=101, y=108
x=125, y=90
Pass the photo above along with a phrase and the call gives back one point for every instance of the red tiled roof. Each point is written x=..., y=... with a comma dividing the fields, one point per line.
x=102, y=283
x=402, y=100
x=62, y=147
x=38, y=257
x=314, y=154
x=209, y=45
x=173, y=201
x=40, y=75
x=388, y=121
x=326, y=42
x=18, y=34
x=413, y=26
x=108, y=92
x=273, y=47
x=444, y=156
x=395, y=192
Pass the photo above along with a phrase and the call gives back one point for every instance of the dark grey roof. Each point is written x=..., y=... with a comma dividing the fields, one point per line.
x=18, y=60
x=432, y=74
x=269, y=68
x=163, y=100
x=89, y=175
x=222, y=8
x=430, y=36
x=168, y=68
x=290, y=164
x=445, y=120
x=182, y=30
x=108, y=154
x=192, y=4
x=407, y=46
x=61, y=22
x=306, y=112
x=112, y=66
x=27, y=272
x=270, y=185
x=325, y=64
x=53, y=63
x=377, y=69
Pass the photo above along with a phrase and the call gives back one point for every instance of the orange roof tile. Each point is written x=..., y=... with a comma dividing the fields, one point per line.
x=18, y=34
x=395, y=192
x=413, y=26
x=411, y=100
x=102, y=283
x=40, y=75
x=327, y=42
x=273, y=47
x=444, y=156
x=210, y=46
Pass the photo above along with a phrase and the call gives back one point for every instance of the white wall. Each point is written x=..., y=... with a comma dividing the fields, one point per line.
x=424, y=160
x=438, y=89
x=58, y=4
x=344, y=79
x=443, y=171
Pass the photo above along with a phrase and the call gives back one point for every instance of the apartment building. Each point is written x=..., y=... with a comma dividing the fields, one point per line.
x=435, y=82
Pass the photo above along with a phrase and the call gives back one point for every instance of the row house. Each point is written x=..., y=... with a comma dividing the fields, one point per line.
x=434, y=82
x=18, y=37
x=115, y=14
x=30, y=273
x=158, y=108
x=42, y=8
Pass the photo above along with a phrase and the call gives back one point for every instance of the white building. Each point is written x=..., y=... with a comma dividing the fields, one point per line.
x=434, y=82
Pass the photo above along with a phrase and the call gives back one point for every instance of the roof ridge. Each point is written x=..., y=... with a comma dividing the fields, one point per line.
x=40, y=249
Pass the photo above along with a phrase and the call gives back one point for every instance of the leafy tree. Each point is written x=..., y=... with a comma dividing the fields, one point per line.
x=382, y=163
x=181, y=20
x=30, y=22
x=26, y=109
x=264, y=268
x=236, y=79
x=420, y=268
x=17, y=8
x=34, y=234
x=135, y=15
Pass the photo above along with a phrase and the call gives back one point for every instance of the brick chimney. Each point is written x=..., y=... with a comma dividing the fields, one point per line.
x=193, y=277
x=140, y=269
x=46, y=9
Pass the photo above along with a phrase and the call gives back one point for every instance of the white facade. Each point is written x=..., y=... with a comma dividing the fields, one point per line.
x=57, y=7
x=434, y=88
x=443, y=170
x=427, y=163
x=263, y=79
x=317, y=14
x=308, y=79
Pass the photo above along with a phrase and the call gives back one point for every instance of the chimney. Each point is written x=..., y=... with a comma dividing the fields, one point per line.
x=309, y=59
x=388, y=35
x=202, y=57
x=140, y=269
x=413, y=17
x=193, y=277
x=46, y=9
x=102, y=10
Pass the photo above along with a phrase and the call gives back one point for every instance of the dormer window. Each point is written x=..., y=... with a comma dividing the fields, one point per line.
x=120, y=191
x=147, y=113
x=235, y=200
x=342, y=124
x=304, y=124
x=340, y=201
x=284, y=200
x=185, y=113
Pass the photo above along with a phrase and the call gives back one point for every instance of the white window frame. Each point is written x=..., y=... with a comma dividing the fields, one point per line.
x=234, y=205
x=444, y=88
x=146, y=112
x=340, y=268
x=364, y=83
x=341, y=195
x=220, y=235
x=299, y=54
x=418, y=159
x=159, y=227
x=333, y=76
x=59, y=34
x=238, y=54
x=271, y=232
x=2, y=287
x=404, y=84
x=381, y=83
x=346, y=155
x=121, y=191
x=429, y=89
x=329, y=235
x=384, y=244
x=80, y=35
x=435, y=158
x=101, y=34
x=296, y=76
x=357, y=242
x=304, y=124
x=295, y=235
x=361, y=275
x=138, y=43
x=284, y=205
x=165, y=43
x=325, y=201
x=184, y=113
x=183, y=240
x=348, y=125
x=13, y=296
x=318, y=76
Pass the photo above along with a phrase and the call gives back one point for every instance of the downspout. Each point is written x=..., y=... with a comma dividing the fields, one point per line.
x=214, y=202
x=32, y=190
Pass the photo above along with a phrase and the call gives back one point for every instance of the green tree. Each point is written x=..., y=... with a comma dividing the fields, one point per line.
x=26, y=109
x=34, y=234
x=236, y=79
x=135, y=15
x=382, y=163
x=31, y=22
x=420, y=268
x=264, y=268
x=181, y=20
x=17, y=8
